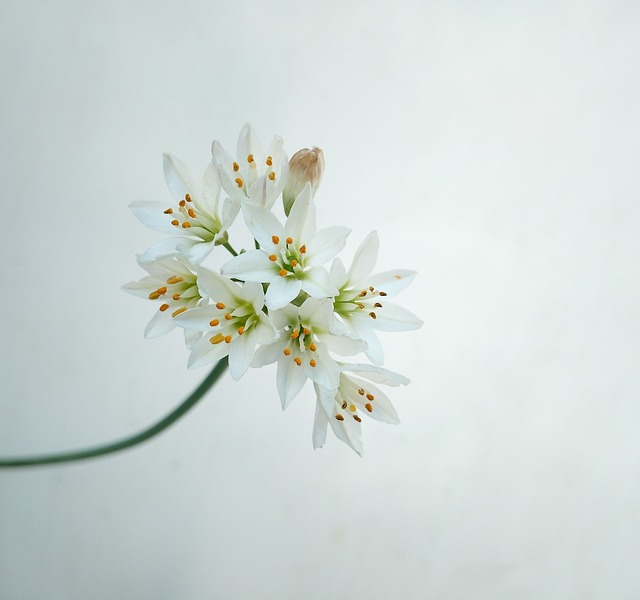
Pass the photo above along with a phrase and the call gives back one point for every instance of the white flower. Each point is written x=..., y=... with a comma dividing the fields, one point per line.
x=255, y=176
x=173, y=285
x=289, y=258
x=362, y=299
x=302, y=348
x=233, y=324
x=342, y=407
x=195, y=220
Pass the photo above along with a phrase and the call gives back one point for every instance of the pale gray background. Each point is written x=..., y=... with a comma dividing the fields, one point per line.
x=495, y=147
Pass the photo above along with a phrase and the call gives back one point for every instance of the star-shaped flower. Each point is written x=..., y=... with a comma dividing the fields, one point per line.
x=362, y=302
x=255, y=176
x=172, y=284
x=232, y=324
x=195, y=221
x=289, y=257
x=302, y=348
x=343, y=406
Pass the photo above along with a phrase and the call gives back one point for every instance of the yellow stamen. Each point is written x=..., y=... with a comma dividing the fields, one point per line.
x=239, y=182
x=363, y=293
x=286, y=352
x=154, y=295
x=192, y=213
x=164, y=307
x=272, y=176
x=177, y=312
x=383, y=293
x=269, y=161
x=371, y=288
x=176, y=297
x=295, y=333
x=249, y=158
x=344, y=405
x=297, y=360
x=187, y=197
x=307, y=331
x=312, y=362
x=228, y=317
x=289, y=240
x=283, y=272
x=169, y=211
x=370, y=397
x=357, y=418
x=228, y=339
x=182, y=203
x=302, y=249
x=236, y=167
x=214, y=323
x=312, y=347
x=217, y=338
x=377, y=305
x=352, y=408
x=240, y=330
x=368, y=407
x=361, y=392
x=339, y=417
x=175, y=222
x=273, y=257
x=275, y=239
x=174, y=279
x=219, y=306
x=186, y=225
x=372, y=315
x=294, y=263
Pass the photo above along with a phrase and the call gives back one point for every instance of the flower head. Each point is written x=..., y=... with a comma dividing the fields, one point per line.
x=254, y=176
x=194, y=220
x=232, y=324
x=290, y=256
x=361, y=302
x=344, y=406
x=172, y=284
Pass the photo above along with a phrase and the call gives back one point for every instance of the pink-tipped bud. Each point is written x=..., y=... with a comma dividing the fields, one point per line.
x=305, y=166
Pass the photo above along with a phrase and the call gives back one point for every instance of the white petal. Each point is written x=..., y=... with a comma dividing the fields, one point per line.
x=284, y=316
x=248, y=143
x=218, y=288
x=265, y=333
x=152, y=215
x=317, y=313
x=392, y=317
x=210, y=191
x=194, y=250
x=281, y=291
x=317, y=284
x=320, y=423
x=342, y=344
x=362, y=328
x=230, y=210
x=178, y=177
x=262, y=224
x=161, y=323
x=326, y=373
x=364, y=260
x=325, y=244
x=382, y=411
x=141, y=288
x=265, y=355
x=241, y=354
x=348, y=431
x=204, y=353
x=338, y=274
x=164, y=248
x=251, y=266
x=301, y=224
x=376, y=374
x=392, y=282
x=290, y=380
x=191, y=338
x=197, y=319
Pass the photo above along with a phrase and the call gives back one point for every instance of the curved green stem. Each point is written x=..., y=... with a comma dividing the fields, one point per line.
x=230, y=248
x=194, y=397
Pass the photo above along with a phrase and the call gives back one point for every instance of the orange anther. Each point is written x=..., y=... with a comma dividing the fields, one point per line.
x=312, y=362
x=297, y=360
x=368, y=407
x=169, y=211
x=283, y=272
x=272, y=176
x=214, y=323
x=236, y=167
x=273, y=257
x=177, y=312
x=289, y=240
x=286, y=352
x=269, y=161
x=219, y=306
x=164, y=307
x=239, y=182
x=275, y=239
x=302, y=249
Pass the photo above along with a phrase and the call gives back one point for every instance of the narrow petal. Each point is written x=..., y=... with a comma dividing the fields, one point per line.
x=210, y=191
x=348, y=431
x=204, y=353
x=281, y=291
x=161, y=323
x=382, y=411
x=197, y=319
x=326, y=373
x=301, y=224
x=230, y=210
x=317, y=313
x=141, y=288
x=195, y=251
x=262, y=224
x=392, y=317
x=152, y=215
x=290, y=380
x=362, y=328
x=217, y=287
x=251, y=266
x=364, y=260
x=376, y=374
x=342, y=344
x=241, y=354
x=265, y=355
x=317, y=283
x=320, y=423
x=191, y=338
x=338, y=274
x=164, y=248
x=248, y=143
x=392, y=282
x=178, y=177
x=325, y=244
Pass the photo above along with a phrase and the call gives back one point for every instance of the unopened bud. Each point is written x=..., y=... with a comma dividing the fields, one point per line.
x=305, y=166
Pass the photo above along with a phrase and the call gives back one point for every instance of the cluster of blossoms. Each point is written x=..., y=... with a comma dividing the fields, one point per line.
x=278, y=302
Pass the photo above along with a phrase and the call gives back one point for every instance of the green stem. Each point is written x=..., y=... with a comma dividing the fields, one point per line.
x=194, y=397
x=230, y=248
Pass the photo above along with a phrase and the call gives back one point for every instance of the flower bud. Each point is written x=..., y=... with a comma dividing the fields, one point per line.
x=305, y=166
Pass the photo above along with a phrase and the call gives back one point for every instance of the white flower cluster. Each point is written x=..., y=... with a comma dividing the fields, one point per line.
x=277, y=302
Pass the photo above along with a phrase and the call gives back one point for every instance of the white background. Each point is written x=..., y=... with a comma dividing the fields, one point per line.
x=493, y=145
